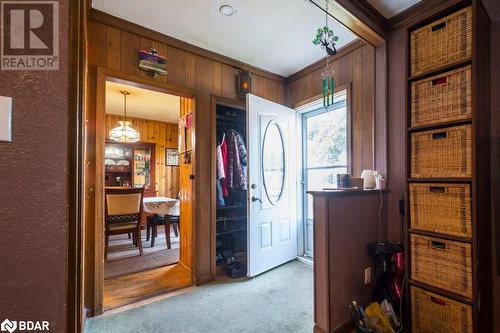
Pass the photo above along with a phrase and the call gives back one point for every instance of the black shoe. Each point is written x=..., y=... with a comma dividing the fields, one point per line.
x=237, y=270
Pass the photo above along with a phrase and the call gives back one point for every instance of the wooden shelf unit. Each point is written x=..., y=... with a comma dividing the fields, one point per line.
x=481, y=301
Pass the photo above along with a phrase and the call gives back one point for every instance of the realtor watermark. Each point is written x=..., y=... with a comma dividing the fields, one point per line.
x=29, y=35
x=24, y=326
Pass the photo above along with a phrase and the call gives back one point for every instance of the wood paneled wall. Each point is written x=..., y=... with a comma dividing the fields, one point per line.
x=354, y=66
x=113, y=44
x=164, y=135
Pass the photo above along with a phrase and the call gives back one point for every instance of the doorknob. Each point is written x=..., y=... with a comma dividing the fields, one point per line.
x=256, y=199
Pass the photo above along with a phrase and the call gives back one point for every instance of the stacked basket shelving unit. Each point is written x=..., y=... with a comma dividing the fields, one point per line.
x=448, y=189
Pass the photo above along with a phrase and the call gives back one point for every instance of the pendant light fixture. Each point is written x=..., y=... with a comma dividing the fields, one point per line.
x=124, y=132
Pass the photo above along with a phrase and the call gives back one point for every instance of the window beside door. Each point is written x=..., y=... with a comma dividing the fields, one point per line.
x=325, y=154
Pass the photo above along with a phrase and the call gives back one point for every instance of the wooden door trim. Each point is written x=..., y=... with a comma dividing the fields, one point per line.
x=76, y=93
x=103, y=75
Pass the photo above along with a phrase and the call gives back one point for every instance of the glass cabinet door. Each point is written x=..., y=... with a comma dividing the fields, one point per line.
x=142, y=167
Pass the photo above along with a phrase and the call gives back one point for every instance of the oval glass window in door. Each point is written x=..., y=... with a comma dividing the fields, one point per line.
x=273, y=162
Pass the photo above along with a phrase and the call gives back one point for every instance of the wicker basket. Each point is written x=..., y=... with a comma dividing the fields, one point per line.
x=442, y=98
x=442, y=42
x=442, y=153
x=437, y=314
x=443, y=208
x=441, y=263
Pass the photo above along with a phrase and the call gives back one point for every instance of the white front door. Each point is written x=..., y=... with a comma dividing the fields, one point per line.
x=272, y=222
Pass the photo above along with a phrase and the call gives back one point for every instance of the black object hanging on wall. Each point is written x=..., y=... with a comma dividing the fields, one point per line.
x=244, y=83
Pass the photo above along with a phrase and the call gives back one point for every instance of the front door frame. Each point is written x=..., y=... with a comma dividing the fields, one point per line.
x=103, y=75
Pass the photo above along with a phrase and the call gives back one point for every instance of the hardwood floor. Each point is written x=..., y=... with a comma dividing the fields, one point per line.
x=135, y=287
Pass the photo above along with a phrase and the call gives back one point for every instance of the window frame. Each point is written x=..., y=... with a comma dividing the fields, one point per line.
x=313, y=109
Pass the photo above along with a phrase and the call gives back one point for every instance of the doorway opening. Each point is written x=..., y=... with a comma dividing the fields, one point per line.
x=149, y=161
x=144, y=156
x=326, y=152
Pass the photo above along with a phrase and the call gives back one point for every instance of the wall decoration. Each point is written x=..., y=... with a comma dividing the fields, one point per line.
x=328, y=85
x=171, y=157
x=153, y=63
x=325, y=37
x=244, y=83
x=185, y=139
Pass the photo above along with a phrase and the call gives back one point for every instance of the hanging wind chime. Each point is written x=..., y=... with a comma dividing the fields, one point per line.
x=326, y=39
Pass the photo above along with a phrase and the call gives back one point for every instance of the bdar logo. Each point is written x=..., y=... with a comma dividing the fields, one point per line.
x=8, y=326
x=30, y=35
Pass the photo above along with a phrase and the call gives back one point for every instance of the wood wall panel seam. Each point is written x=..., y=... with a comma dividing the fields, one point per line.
x=124, y=25
x=346, y=50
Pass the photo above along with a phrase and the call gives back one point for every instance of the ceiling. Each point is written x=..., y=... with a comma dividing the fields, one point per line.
x=390, y=8
x=142, y=103
x=275, y=35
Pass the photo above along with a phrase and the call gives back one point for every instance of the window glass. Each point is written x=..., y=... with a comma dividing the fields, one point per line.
x=273, y=162
x=327, y=138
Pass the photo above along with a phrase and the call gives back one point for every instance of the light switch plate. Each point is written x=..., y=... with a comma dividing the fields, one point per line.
x=6, y=119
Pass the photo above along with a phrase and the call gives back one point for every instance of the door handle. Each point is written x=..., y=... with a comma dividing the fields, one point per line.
x=254, y=199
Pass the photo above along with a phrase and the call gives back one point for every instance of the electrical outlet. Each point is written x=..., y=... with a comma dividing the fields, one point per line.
x=368, y=275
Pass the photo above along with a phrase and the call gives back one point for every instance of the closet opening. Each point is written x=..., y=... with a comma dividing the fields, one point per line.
x=231, y=185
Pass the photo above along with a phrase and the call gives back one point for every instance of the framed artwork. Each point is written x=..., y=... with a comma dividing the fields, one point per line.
x=171, y=157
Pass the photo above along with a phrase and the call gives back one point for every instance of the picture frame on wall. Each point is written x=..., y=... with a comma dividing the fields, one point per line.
x=171, y=157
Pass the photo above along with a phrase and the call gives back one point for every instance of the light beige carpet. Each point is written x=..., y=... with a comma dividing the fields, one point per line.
x=278, y=301
x=124, y=258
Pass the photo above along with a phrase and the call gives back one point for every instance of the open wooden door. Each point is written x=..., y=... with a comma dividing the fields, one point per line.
x=272, y=221
x=186, y=165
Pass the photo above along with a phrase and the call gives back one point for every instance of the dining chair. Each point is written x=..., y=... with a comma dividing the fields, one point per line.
x=123, y=212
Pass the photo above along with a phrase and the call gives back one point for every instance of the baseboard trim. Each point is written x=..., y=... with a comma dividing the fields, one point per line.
x=318, y=329
x=346, y=327
x=306, y=261
x=204, y=280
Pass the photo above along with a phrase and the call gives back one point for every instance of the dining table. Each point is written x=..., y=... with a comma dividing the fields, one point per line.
x=161, y=206
x=165, y=207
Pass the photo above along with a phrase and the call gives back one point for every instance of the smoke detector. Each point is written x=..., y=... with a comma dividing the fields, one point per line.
x=227, y=10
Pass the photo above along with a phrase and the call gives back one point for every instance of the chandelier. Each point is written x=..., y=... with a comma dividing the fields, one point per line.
x=124, y=132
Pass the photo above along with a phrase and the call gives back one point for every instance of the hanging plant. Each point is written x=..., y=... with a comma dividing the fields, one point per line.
x=326, y=38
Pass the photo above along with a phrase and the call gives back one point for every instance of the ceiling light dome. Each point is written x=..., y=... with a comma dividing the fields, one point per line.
x=227, y=10
x=124, y=132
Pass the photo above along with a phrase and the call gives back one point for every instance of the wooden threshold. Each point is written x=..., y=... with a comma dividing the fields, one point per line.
x=132, y=288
